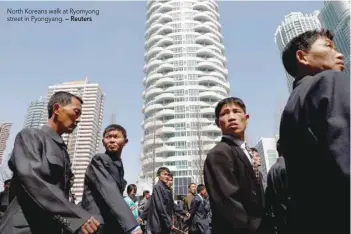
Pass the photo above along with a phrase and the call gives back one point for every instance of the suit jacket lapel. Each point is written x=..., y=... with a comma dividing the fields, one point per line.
x=113, y=168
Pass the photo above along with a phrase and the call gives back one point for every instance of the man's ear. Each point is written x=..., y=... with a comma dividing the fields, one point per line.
x=217, y=123
x=125, y=141
x=55, y=109
x=301, y=57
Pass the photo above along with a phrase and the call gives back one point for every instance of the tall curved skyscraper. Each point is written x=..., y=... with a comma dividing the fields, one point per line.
x=185, y=77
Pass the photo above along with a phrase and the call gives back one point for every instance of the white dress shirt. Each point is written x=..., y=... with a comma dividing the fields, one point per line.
x=242, y=145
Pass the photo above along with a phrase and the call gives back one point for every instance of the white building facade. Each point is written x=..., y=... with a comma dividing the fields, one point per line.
x=293, y=25
x=267, y=149
x=85, y=141
x=35, y=113
x=185, y=77
x=4, y=136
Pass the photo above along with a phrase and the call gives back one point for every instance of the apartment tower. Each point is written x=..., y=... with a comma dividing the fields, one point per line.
x=35, y=112
x=4, y=136
x=185, y=77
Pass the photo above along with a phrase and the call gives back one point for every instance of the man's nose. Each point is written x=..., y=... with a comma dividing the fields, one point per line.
x=113, y=140
x=340, y=56
x=78, y=120
x=231, y=116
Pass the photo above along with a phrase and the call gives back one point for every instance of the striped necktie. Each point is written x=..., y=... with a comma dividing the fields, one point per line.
x=255, y=167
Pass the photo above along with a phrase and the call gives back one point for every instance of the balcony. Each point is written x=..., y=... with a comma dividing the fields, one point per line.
x=210, y=128
x=151, y=65
x=153, y=39
x=166, y=7
x=164, y=54
x=164, y=96
x=152, y=92
x=211, y=94
x=153, y=51
x=153, y=124
x=165, y=149
x=151, y=142
x=165, y=67
x=165, y=19
x=152, y=108
x=205, y=16
x=152, y=29
x=164, y=81
x=164, y=42
x=152, y=77
x=165, y=112
x=207, y=110
x=165, y=29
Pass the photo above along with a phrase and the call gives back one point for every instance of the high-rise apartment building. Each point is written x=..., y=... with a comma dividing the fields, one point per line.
x=35, y=112
x=185, y=77
x=4, y=135
x=267, y=149
x=293, y=25
x=335, y=16
x=85, y=141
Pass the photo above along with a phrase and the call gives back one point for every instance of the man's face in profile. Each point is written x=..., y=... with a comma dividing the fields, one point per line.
x=322, y=56
x=68, y=116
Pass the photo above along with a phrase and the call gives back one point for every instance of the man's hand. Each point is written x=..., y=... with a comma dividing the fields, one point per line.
x=187, y=215
x=139, y=220
x=139, y=231
x=173, y=228
x=90, y=227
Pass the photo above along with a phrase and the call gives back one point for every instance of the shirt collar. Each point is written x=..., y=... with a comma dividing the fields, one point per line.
x=236, y=141
x=200, y=197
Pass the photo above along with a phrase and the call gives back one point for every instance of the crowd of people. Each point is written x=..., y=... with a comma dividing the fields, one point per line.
x=308, y=188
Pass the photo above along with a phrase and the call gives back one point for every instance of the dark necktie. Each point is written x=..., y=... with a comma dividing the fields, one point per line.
x=255, y=167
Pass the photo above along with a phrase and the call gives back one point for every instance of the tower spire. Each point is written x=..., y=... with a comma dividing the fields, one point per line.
x=113, y=118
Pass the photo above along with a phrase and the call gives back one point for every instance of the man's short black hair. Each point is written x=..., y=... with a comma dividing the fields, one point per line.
x=228, y=100
x=303, y=42
x=279, y=150
x=190, y=185
x=200, y=187
x=254, y=149
x=161, y=169
x=145, y=192
x=114, y=127
x=130, y=188
x=63, y=98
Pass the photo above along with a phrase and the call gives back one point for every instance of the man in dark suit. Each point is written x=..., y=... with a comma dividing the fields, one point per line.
x=234, y=190
x=161, y=205
x=4, y=196
x=39, y=191
x=315, y=135
x=104, y=185
x=277, y=197
x=190, y=196
x=199, y=221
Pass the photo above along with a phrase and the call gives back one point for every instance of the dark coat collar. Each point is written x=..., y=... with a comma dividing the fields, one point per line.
x=52, y=134
x=297, y=82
